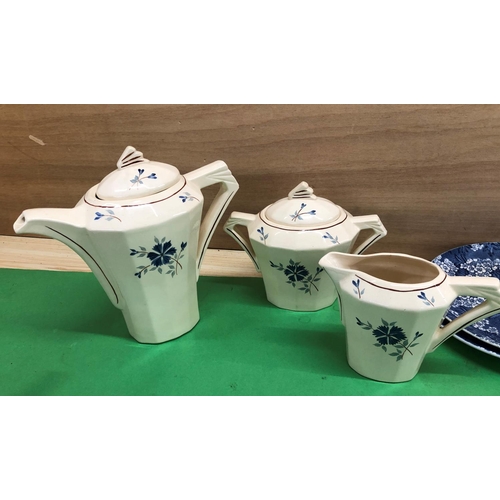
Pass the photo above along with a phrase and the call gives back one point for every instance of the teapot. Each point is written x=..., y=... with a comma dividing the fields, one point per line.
x=287, y=238
x=392, y=306
x=140, y=231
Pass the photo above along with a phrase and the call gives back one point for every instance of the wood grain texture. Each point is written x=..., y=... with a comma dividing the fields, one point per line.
x=430, y=172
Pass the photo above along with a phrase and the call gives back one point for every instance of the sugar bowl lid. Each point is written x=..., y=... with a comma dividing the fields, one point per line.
x=136, y=177
x=302, y=209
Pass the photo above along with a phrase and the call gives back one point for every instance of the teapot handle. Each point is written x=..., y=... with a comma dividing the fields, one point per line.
x=213, y=173
x=488, y=288
x=241, y=219
x=373, y=223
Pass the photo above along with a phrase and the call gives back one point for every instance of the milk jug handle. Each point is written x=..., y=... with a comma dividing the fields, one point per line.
x=213, y=173
x=373, y=223
x=488, y=288
x=242, y=219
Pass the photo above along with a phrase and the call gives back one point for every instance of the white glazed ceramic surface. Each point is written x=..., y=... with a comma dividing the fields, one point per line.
x=392, y=306
x=145, y=249
x=287, y=239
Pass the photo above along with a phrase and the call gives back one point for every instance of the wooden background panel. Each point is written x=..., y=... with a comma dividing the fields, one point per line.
x=429, y=172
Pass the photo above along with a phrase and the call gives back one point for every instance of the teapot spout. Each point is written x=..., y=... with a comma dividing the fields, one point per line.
x=67, y=225
x=57, y=223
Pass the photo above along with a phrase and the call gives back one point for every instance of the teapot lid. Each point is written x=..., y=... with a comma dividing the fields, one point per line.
x=302, y=208
x=136, y=177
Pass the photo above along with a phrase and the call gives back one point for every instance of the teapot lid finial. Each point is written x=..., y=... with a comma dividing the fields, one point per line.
x=303, y=190
x=129, y=157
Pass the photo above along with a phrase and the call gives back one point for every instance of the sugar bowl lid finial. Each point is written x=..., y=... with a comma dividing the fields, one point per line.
x=303, y=190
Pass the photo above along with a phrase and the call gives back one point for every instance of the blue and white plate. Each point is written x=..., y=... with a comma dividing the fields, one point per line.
x=478, y=259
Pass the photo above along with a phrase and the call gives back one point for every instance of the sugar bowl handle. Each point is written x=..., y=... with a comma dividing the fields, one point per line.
x=241, y=219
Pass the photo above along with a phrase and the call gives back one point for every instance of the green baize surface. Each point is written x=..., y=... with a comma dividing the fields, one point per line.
x=60, y=335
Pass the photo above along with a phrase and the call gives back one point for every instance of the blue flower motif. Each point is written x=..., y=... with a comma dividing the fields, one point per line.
x=137, y=179
x=391, y=336
x=357, y=289
x=333, y=239
x=296, y=273
x=187, y=197
x=109, y=216
x=425, y=300
x=298, y=213
x=161, y=254
x=263, y=235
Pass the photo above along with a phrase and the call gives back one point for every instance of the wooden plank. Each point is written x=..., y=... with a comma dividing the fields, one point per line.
x=430, y=172
x=18, y=252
